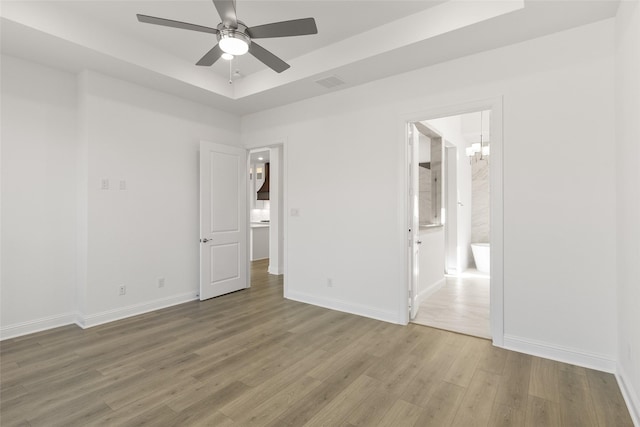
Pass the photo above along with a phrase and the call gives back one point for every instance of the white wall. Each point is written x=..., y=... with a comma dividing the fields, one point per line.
x=38, y=196
x=66, y=244
x=628, y=199
x=150, y=230
x=347, y=148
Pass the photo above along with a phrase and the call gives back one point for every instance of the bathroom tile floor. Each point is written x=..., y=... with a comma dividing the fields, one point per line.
x=460, y=305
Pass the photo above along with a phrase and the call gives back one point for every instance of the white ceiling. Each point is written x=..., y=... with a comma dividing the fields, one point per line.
x=358, y=41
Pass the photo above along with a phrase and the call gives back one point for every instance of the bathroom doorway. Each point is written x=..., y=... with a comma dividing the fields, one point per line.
x=460, y=297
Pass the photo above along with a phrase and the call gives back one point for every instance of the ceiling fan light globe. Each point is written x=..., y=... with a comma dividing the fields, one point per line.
x=233, y=45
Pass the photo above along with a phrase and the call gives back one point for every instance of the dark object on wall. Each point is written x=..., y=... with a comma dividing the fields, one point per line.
x=263, y=192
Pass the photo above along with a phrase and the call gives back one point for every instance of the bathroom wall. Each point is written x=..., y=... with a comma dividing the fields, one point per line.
x=424, y=197
x=436, y=181
x=480, y=201
x=424, y=179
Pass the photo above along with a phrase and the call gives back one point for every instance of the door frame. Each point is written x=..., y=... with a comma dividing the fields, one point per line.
x=496, y=216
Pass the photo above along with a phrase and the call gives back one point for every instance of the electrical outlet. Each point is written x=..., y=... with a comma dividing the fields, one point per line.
x=122, y=290
x=104, y=184
x=329, y=282
x=161, y=282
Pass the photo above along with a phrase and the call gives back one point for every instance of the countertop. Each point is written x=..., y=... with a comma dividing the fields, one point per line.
x=259, y=225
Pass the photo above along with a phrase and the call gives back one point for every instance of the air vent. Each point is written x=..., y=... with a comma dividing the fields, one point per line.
x=330, y=82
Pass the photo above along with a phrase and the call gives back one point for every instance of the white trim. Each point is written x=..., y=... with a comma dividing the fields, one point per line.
x=88, y=321
x=629, y=394
x=495, y=104
x=37, y=325
x=347, y=307
x=430, y=289
x=273, y=271
x=572, y=356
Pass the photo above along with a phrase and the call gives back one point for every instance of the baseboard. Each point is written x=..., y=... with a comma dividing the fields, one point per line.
x=90, y=320
x=274, y=271
x=37, y=325
x=430, y=289
x=347, y=307
x=629, y=394
x=561, y=354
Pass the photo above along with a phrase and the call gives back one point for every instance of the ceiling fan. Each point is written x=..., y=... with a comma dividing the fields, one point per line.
x=235, y=38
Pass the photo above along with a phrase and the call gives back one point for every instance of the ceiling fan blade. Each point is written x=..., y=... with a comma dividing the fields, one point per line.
x=295, y=27
x=227, y=11
x=175, y=24
x=210, y=57
x=267, y=58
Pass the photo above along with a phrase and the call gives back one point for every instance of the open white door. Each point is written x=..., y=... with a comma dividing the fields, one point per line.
x=223, y=219
x=414, y=221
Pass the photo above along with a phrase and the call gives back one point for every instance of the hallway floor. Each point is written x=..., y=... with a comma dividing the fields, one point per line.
x=460, y=305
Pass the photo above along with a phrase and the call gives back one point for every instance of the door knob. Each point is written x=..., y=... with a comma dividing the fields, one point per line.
x=419, y=242
x=205, y=240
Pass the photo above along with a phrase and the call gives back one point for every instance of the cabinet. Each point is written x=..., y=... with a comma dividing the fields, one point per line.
x=259, y=241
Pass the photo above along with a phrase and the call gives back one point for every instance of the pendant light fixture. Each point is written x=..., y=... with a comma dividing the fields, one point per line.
x=478, y=147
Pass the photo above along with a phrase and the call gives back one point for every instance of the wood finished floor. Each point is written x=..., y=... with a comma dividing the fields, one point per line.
x=460, y=305
x=252, y=358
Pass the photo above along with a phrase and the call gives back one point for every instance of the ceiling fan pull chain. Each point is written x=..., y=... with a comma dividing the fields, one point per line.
x=230, y=71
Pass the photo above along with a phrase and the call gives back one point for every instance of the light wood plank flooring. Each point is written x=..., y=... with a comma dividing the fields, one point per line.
x=252, y=358
x=460, y=305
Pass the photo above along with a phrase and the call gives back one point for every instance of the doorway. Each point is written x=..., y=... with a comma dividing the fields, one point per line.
x=265, y=209
x=469, y=296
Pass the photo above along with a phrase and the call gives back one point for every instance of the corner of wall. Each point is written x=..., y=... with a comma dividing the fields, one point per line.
x=629, y=394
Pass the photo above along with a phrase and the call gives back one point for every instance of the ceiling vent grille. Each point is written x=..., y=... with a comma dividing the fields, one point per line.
x=330, y=82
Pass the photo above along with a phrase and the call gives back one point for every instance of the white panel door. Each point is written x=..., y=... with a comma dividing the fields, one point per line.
x=223, y=219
